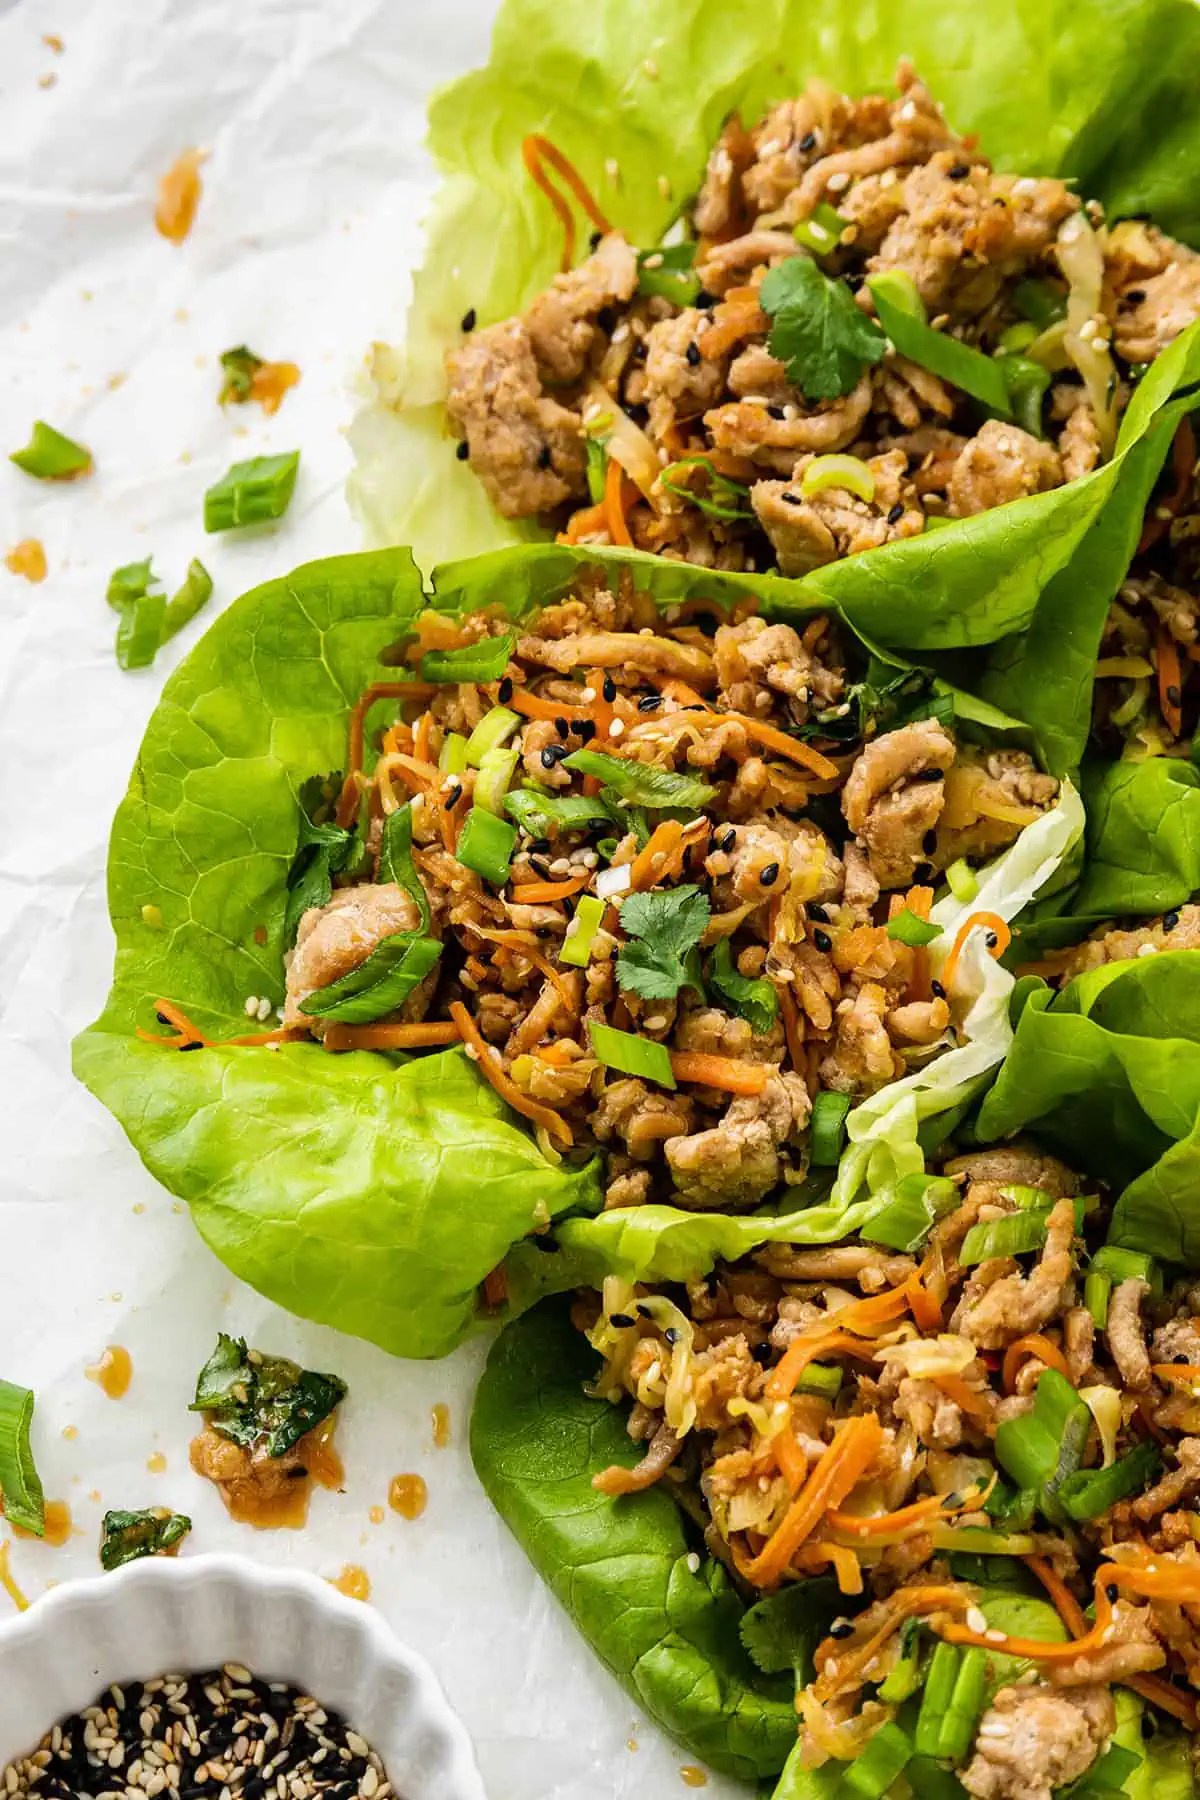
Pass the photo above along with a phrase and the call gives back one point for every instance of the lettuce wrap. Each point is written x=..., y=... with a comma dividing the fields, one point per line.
x=348, y=1188
x=637, y=102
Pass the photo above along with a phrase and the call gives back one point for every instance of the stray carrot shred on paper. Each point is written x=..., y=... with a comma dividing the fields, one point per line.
x=179, y=193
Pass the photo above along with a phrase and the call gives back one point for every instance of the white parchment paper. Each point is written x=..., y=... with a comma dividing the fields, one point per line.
x=312, y=114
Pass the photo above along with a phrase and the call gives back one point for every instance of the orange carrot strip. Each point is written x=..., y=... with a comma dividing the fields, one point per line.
x=1065, y=1603
x=723, y=1072
x=921, y=1303
x=844, y=1561
x=380, y=690
x=585, y=523
x=791, y=1025
x=1170, y=681
x=533, y=706
x=614, y=504
x=803, y=1350
x=532, y=955
x=880, y=1524
x=421, y=737
x=732, y=321
x=649, y=863
x=1183, y=460
x=488, y=1062
x=1163, y=1694
x=679, y=691
x=1033, y=1344
x=187, y=1033
x=905, y=1603
x=967, y=1399
x=537, y=150
x=537, y=893
x=834, y=1475
x=793, y=1464
x=776, y=740
x=993, y=923
x=391, y=1037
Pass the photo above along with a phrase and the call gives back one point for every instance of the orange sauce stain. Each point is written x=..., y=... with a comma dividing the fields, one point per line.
x=53, y=42
x=354, y=1582
x=693, y=1776
x=408, y=1496
x=288, y=1510
x=57, y=1519
x=321, y=1459
x=70, y=1432
x=28, y=558
x=156, y=1462
x=8, y=1584
x=440, y=1416
x=113, y=1373
x=377, y=1515
x=270, y=382
x=179, y=193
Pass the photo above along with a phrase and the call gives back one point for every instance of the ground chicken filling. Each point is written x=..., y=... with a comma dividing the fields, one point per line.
x=1007, y=1387
x=667, y=878
x=671, y=399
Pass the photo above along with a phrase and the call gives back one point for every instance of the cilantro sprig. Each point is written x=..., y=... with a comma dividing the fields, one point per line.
x=664, y=929
x=818, y=332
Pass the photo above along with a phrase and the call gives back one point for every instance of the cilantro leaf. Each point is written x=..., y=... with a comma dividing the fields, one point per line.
x=323, y=850
x=781, y=1631
x=818, y=331
x=753, y=1000
x=259, y=1401
x=664, y=929
x=126, y=1536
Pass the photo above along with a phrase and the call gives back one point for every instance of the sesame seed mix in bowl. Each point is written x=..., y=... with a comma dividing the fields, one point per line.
x=222, y=1735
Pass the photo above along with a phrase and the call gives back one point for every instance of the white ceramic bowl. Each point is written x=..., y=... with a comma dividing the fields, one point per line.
x=161, y=1615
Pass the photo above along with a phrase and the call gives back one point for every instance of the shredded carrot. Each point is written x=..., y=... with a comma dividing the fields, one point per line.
x=1176, y=1374
x=968, y=1399
x=1166, y=1696
x=391, y=1037
x=421, y=737
x=1162, y=1580
x=922, y=1304
x=537, y=893
x=845, y=1563
x=1033, y=1344
x=850, y=1660
x=867, y=1317
x=532, y=955
x=188, y=1034
x=558, y=1056
x=683, y=695
x=1170, y=681
x=980, y=920
x=793, y=1464
x=488, y=1062
x=791, y=1025
x=649, y=864
x=803, y=1350
x=872, y=1525
x=494, y=1286
x=833, y=1476
x=349, y=800
x=1183, y=461
x=733, y=320
x=1065, y=1603
x=776, y=740
x=533, y=706
x=587, y=522
x=537, y=150
x=723, y=1072
x=614, y=503
x=380, y=690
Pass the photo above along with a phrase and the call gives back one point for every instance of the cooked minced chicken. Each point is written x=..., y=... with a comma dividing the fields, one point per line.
x=720, y=445
x=870, y=1412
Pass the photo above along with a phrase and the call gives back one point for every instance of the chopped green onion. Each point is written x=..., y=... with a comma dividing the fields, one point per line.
x=140, y=631
x=1127, y=1265
x=187, y=600
x=484, y=661
x=1108, y=1775
x=827, y=1128
x=20, y=1487
x=1039, y=302
x=1088, y=1494
x=1016, y=338
x=542, y=815
x=824, y=1379
x=491, y=730
x=849, y=472
x=1043, y=1448
x=930, y=1781
x=902, y=314
x=735, y=502
x=904, y=1677
x=753, y=999
x=822, y=231
x=126, y=1536
x=50, y=456
x=597, y=468
x=940, y=1677
x=1097, y=1288
x=496, y=770
x=379, y=985
x=607, y=848
x=251, y=493
x=911, y=1208
x=630, y=1054
x=1016, y=1234
x=873, y=1770
x=640, y=784
x=396, y=862
x=238, y=367
x=669, y=273
x=977, y=1540
x=453, y=757
x=962, y=881
x=1011, y=1507
x=955, y=1688
x=130, y=582
x=581, y=932
x=486, y=844
x=906, y=928
x=1026, y=382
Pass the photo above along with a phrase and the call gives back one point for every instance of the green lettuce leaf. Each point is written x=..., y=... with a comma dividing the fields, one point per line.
x=636, y=98
x=620, y=1567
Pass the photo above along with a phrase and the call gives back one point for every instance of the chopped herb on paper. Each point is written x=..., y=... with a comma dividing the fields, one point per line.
x=238, y=367
x=664, y=928
x=49, y=456
x=254, y=1399
x=252, y=493
x=127, y=1536
x=20, y=1485
x=818, y=331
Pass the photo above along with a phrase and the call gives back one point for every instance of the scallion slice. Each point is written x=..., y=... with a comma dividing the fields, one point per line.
x=668, y=272
x=1016, y=1234
x=484, y=661
x=848, y=472
x=902, y=314
x=396, y=862
x=1127, y=1265
x=597, y=468
x=130, y=582
x=496, y=770
x=252, y=493
x=824, y=1379
x=1040, y=303
x=491, y=731
x=872, y=1772
x=1089, y=1493
x=962, y=881
x=140, y=631
x=486, y=844
x=452, y=759
x=379, y=985
x=827, y=1128
x=752, y=998
x=907, y=928
x=725, y=499
x=822, y=231
x=1097, y=1289
x=1026, y=382
x=187, y=600
x=542, y=815
x=640, y=784
x=20, y=1486
x=630, y=1054
x=581, y=932
x=49, y=456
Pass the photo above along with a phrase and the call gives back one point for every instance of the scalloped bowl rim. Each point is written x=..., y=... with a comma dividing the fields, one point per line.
x=124, y=1609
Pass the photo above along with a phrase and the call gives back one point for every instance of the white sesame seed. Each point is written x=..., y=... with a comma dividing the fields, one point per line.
x=251, y=1006
x=612, y=168
x=693, y=1562
x=616, y=728
x=654, y=261
x=356, y=1745
x=838, y=182
x=264, y=1008
x=976, y=1620
x=656, y=1022
x=587, y=695
x=1026, y=185
x=1147, y=949
x=994, y=1637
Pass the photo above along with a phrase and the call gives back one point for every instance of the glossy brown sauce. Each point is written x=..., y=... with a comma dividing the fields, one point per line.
x=28, y=558
x=440, y=1416
x=113, y=1373
x=287, y=1509
x=408, y=1496
x=354, y=1582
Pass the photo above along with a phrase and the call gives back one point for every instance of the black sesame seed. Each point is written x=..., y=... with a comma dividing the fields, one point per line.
x=1170, y=921
x=162, y=1018
x=923, y=871
x=950, y=1501
x=937, y=990
x=1111, y=1592
x=562, y=728
x=505, y=693
x=468, y=319
x=775, y=412
x=649, y=703
x=553, y=753
x=1173, y=694
x=895, y=512
x=693, y=354
x=823, y=941
x=704, y=299
x=841, y=1628
x=454, y=795
x=807, y=142
x=586, y=730
x=672, y=1335
x=992, y=940
x=770, y=875
x=816, y=911
x=647, y=1312
x=791, y=499
x=594, y=240
x=928, y=775
x=184, y=1047
x=539, y=844
x=959, y=171
x=729, y=840
x=610, y=689
x=929, y=842
x=544, y=457
x=622, y=1319
x=1184, y=1362
x=1133, y=297
x=462, y=451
